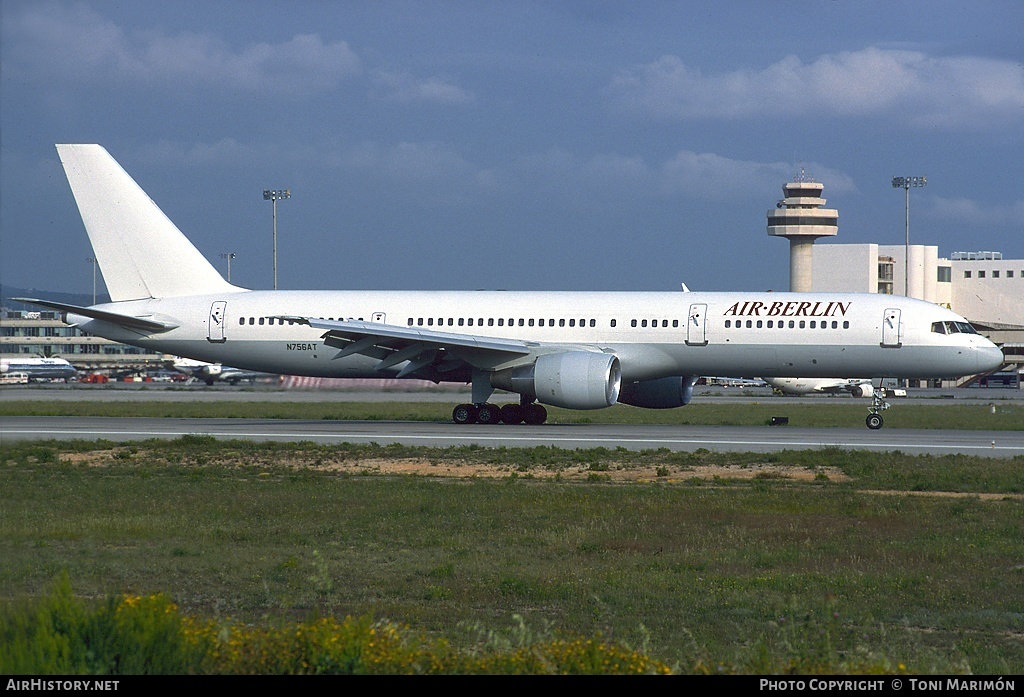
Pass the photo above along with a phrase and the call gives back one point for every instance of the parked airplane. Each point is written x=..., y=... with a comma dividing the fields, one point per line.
x=579, y=350
x=804, y=386
x=38, y=368
x=734, y=382
x=215, y=372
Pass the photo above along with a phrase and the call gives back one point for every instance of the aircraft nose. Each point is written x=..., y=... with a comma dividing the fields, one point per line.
x=990, y=357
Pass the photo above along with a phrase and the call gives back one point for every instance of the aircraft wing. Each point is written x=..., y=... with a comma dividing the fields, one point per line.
x=834, y=389
x=419, y=346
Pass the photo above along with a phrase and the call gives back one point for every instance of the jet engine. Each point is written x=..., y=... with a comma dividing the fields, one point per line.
x=574, y=380
x=663, y=393
x=864, y=390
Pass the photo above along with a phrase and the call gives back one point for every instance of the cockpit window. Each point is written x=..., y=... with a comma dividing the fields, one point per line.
x=953, y=328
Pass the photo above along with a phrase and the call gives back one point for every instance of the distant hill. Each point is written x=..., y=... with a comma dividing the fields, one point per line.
x=7, y=292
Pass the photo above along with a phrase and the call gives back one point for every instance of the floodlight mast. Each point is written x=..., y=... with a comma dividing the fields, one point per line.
x=905, y=183
x=229, y=256
x=92, y=260
x=275, y=195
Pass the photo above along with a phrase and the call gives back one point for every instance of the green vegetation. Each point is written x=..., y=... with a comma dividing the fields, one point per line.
x=842, y=413
x=860, y=566
x=60, y=634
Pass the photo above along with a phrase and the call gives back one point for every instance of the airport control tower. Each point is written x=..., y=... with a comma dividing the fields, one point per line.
x=801, y=217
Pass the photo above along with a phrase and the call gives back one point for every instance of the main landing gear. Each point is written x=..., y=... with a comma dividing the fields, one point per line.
x=878, y=404
x=530, y=413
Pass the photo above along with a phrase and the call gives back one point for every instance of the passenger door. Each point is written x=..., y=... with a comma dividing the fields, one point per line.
x=215, y=327
x=696, y=334
x=891, y=328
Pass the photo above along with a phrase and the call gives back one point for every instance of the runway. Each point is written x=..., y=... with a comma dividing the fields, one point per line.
x=676, y=438
x=450, y=394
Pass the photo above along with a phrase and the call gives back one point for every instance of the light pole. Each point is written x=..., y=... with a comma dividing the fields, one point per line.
x=905, y=183
x=229, y=256
x=92, y=260
x=275, y=195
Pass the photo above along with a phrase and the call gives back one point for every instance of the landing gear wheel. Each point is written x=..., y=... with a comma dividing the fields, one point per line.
x=534, y=414
x=874, y=421
x=511, y=414
x=488, y=414
x=464, y=414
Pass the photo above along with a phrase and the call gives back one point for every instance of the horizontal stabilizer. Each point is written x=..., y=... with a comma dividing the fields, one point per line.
x=127, y=321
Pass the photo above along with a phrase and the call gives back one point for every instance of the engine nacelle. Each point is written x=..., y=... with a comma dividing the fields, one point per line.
x=574, y=380
x=663, y=393
x=864, y=390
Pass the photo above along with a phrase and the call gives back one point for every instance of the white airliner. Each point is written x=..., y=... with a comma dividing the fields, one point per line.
x=856, y=387
x=215, y=372
x=579, y=350
x=38, y=368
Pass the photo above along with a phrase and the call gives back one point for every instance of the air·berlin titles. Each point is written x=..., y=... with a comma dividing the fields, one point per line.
x=792, y=308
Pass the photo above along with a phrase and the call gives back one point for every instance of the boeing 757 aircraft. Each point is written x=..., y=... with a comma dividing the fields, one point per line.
x=579, y=350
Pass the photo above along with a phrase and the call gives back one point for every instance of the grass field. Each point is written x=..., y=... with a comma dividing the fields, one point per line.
x=830, y=413
x=870, y=560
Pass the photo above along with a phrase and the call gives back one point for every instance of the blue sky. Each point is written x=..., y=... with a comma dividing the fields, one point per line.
x=584, y=145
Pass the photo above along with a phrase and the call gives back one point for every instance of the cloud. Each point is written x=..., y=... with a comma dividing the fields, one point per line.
x=970, y=213
x=708, y=175
x=166, y=155
x=934, y=91
x=75, y=43
x=605, y=179
x=433, y=173
x=402, y=87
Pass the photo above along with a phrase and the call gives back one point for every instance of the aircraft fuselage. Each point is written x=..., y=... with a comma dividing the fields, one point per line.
x=653, y=334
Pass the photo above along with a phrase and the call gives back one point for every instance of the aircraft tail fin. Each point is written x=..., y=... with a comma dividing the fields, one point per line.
x=140, y=252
